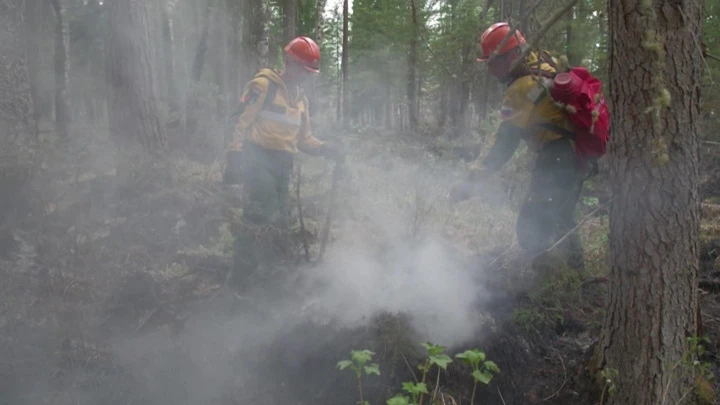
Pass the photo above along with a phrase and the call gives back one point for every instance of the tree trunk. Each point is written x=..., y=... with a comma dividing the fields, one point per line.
x=290, y=20
x=257, y=40
x=319, y=19
x=655, y=215
x=192, y=106
x=221, y=50
x=62, y=67
x=345, y=109
x=18, y=128
x=32, y=31
x=168, y=66
x=570, y=46
x=412, y=69
x=133, y=114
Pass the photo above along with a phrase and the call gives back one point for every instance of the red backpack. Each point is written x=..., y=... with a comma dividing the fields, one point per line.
x=579, y=94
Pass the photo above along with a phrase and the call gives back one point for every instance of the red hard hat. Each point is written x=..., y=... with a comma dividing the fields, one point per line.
x=493, y=36
x=306, y=52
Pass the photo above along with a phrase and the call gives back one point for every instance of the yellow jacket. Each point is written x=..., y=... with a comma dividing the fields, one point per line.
x=284, y=125
x=526, y=106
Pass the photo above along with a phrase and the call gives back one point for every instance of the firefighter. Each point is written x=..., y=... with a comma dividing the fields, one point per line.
x=529, y=114
x=273, y=126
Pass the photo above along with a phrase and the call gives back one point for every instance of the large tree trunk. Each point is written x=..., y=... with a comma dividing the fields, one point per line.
x=655, y=214
x=412, y=69
x=32, y=33
x=18, y=128
x=192, y=106
x=133, y=112
x=62, y=68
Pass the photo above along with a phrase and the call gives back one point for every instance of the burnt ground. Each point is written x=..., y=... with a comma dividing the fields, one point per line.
x=118, y=294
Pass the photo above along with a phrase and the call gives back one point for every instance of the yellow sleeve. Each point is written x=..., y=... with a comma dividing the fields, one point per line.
x=306, y=141
x=252, y=98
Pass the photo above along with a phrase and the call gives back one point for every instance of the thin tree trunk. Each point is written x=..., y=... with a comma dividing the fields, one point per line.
x=655, y=215
x=134, y=114
x=570, y=46
x=62, y=67
x=168, y=58
x=412, y=69
x=345, y=110
x=18, y=128
x=220, y=62
x=193, y=104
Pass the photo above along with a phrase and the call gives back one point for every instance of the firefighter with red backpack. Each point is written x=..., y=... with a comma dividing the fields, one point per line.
x=560, y=115
x=270, y=125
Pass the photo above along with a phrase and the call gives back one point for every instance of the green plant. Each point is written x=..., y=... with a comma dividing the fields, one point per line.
x=482, y=370
x=357, y=363
x=436, y=357
x=608, y=375
x=697, y=350
x=591, y=201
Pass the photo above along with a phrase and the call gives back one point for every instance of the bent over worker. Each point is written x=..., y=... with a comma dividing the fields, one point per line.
x=529, y=114
x=274, y=125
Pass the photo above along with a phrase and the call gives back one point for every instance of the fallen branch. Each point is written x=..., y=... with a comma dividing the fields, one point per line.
x=536, y=40
x=300, y=215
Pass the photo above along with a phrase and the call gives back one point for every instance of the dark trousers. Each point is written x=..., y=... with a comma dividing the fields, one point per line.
x=266, y=177
x=548, y=212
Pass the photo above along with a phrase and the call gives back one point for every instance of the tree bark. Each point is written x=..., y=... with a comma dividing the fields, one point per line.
x=32, y=31
x=655, y=214
x=192, y=106
x=62, y=67
x=412, y=103
x=134, y=114
x=345, y=109
x=290, y=20
x=257, y=38
x=168, y=58
x=18, y=128
x=319, y=19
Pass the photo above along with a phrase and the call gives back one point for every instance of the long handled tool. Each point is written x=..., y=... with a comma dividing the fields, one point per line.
x=337, y=171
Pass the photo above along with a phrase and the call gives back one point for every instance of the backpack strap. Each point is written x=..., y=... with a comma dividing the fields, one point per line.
x=240, y=108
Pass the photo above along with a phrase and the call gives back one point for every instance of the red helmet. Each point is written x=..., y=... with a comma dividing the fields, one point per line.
x=306, y=52
x=493, y=36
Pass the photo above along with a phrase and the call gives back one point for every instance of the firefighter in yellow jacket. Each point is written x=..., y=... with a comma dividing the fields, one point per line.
x=528, y=113
x=274, y=124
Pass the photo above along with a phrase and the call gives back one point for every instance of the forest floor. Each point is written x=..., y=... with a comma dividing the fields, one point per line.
x=118, y=294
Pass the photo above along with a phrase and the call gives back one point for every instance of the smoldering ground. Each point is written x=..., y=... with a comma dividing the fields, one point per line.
x=390, y=279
